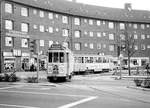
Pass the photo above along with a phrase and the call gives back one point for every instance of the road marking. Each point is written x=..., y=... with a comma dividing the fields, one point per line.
x=86, y=98
x=3, y=88
x=78, y=102
x=17, y=106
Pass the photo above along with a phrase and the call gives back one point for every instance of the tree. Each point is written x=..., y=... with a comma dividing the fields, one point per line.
x=128, y=47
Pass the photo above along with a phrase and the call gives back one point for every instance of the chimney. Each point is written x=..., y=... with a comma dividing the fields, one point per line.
x=128, y=6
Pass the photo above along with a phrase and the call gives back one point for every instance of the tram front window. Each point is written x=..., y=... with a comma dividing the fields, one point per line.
x=50, y=57
x=61, y=57
x=55, y=57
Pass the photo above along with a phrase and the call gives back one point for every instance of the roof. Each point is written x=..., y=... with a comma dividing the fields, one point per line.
x=90, y=11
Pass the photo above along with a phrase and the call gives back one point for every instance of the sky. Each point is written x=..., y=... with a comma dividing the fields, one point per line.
x=136, y=4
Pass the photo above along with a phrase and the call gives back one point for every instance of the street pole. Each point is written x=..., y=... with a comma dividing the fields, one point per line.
x=120, y=58
x=37, y=45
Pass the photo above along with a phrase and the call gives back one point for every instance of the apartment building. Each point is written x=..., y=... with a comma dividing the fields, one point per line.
x=85, y=29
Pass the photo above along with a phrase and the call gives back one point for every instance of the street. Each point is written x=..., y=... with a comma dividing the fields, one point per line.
x=82, y=92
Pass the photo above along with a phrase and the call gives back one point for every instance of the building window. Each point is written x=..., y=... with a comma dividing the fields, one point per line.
x=142, y=26
x=135, y=36
x=122, y=36
x=8, y=41
x=50, y=29
x=35, y=26
x=103, y=22
x=65, y=32
x=148, y=46
x=135, y=47
x=148, y=36
x=65, y=19
x=111, y=36
x=85, y=32
x=99, y=46
x=90, y=22
x=77, y=34
x=111, y=25
x=135, y=26
x=24, y=11
x=8, y=8
x=111, y=47
x=86, y=45
x=85, y=20
x=143, y=36
x=91, y=46
x=122, y=26
x=104, y=45
x=34, y=11
x=104, y=34
x=98, y=22
x=76, y=21
x=41, y=14
x=98, y=34
x=9, y=24
x=24, y=27
x=143, y=47
x=50, y=15
x=91, y=34
x=56, y=15
x=50, y=43
x=147, y=25
x=130, y=24
x=57, y=29
x=77, y=46
x=24, y=43
x=41, y=28
x=41, y=43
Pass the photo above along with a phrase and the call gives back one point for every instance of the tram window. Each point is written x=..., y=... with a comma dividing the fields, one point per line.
x=61, y=57
x=80, y=59
x=91, y=59
x=56, y=57
x=99, y=60
x=86, y=59
x=104, y=60
x=50, y=57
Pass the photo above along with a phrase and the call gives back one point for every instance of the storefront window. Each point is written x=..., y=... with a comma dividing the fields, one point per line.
x=9, y=64
x=25, y=64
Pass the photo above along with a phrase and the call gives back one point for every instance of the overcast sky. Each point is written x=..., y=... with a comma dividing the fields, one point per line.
x=136, y=4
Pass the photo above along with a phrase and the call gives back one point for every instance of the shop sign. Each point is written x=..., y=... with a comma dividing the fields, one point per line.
x=17, y=34
x=7, y=54
x=16, y=52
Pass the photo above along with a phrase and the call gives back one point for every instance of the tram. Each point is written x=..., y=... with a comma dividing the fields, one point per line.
x=93, y=63
x=60, y=63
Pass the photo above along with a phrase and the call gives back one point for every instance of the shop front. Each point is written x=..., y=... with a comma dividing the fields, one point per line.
x=9, y=62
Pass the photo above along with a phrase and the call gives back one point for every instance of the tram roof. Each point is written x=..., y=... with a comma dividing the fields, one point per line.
x=58, y=48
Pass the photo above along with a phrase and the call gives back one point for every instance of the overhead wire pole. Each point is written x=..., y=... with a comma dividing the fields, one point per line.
x=37, y=45
x=1, y=30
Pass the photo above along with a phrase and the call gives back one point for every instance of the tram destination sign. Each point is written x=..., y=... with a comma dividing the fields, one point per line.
x=56, y=47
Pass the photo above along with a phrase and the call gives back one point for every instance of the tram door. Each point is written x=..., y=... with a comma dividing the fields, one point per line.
x=67, y=63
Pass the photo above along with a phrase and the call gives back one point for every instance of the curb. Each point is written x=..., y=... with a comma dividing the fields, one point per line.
x=138, y=88
x=33, y=84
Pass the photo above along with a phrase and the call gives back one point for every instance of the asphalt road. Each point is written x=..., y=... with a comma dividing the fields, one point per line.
x=81, y=92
